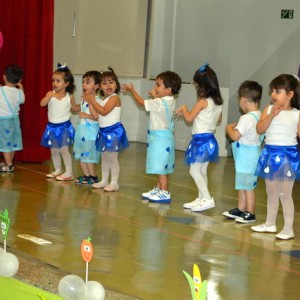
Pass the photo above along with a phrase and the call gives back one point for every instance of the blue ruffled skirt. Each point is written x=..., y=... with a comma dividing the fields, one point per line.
x=278, y=163
x=112, y=138
x=58, y=135
x=202, y=148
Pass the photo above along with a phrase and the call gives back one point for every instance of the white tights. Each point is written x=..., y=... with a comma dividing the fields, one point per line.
x=199, y=173
x=110, y=163
x=280, y=190
x=64, y=153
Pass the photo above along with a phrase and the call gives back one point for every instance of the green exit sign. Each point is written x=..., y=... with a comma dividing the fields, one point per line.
x=287, y=14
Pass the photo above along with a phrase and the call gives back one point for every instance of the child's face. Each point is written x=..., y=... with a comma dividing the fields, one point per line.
x=58, y=83
x=243, y=103
x=108, y=86
x=89, y=86
x=160, y=90
x=281, y=97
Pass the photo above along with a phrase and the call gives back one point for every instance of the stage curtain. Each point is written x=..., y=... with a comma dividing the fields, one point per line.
x=27, y=28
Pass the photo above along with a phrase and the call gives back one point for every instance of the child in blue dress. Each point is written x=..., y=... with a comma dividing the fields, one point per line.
x=87, y=128
x=11, y=96
x=59, y=133
x=279, y=160
x=246, y=149
x=203, y=148
x=160, y=147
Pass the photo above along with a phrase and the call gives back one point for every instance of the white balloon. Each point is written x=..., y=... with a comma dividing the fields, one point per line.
x=92, y=290
x=9, y=264
x=69, y=287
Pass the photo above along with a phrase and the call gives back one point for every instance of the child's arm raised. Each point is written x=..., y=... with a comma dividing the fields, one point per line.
x=190, y=116
x=266, y=119
x=47, y=98
x=128, y=87
x=113, y=102
x=74, y=106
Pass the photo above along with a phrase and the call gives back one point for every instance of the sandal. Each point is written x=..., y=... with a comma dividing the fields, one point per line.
x=7, y=169
x=94, y=179
x=82, y=180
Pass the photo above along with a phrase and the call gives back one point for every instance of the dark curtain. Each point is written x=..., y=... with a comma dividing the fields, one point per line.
x=27, y=28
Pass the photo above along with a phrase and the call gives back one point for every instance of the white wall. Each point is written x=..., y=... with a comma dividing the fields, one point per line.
x=241, y=39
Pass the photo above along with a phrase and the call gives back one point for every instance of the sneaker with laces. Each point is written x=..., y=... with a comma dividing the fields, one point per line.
x=233, y=213
x=246, y=217
x=264, y=228
x=152, y=192
x=161, y=196
x=192, y=204
x=204, y=205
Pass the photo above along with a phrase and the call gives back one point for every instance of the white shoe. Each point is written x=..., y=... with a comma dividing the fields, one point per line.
x=285, y=235
x=113, y=187
x=192, y=204
x=204, y=204
x=161, y=197
x=100, y=185
x=154, y=191
x=264, y=228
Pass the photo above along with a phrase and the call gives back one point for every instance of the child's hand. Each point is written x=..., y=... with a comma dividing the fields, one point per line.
x=178, y=112
x=83, y=115
x=19, y=85
x=276, y=109
x=127, y=87
x=88, y=97
x=152, y=93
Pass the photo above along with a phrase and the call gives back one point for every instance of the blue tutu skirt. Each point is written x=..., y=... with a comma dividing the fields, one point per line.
x=160, y=152
x=10, y=134
x=112, y=138
x=84, y=148
x=58, y=135
x=202, y=148
x=278, y=163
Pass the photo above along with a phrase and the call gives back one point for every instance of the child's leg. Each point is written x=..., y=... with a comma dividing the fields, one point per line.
x=64, y=151
x=114, y=167
x=55, y=155
x=272, y=188
x=250, y=201
x=91, y=169
x=163, y=182
x=241, y=200
x=8, y=157
x=199, y=173
x=105, y=167
x=84, y=168
x=287, y=202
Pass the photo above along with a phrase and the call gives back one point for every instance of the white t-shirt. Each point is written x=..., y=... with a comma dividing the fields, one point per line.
x=15, y=97
x=112, y=118
x=84, y=107
x=207, y=119
x=283, y=128
x=158, y=116
x=59, y=111
x=247, y=128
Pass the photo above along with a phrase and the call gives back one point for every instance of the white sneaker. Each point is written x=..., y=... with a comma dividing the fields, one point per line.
x=192, y=204
x=146, y=195
x=161, y=197
x=204, y=204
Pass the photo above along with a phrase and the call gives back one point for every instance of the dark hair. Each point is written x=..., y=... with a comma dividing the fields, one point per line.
x=68, y=77
x=92, y=74
x=112, y=75
x=172, y=80
x=289, y=83
x=207, y=84
x=13, y=73
x=251, y=90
